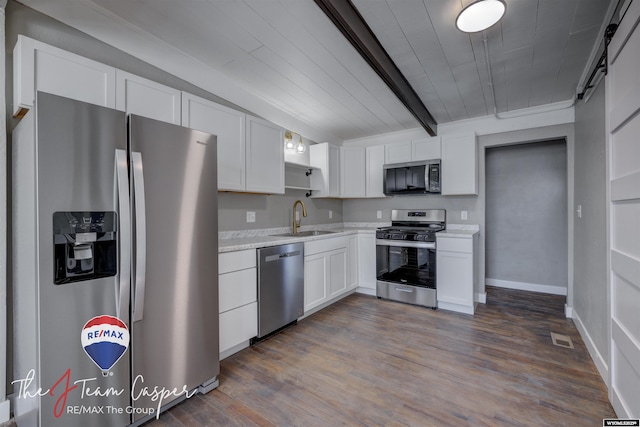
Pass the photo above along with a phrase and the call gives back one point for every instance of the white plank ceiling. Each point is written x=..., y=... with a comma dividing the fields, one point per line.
x=290, y=57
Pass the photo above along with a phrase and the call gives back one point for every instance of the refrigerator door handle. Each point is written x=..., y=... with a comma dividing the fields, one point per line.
x=124, y=212
x=141, y=236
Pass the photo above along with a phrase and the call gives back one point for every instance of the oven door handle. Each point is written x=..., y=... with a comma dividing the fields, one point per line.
x=406, y=244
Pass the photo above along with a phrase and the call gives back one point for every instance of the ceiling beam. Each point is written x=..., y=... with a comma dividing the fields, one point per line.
x=352, y=25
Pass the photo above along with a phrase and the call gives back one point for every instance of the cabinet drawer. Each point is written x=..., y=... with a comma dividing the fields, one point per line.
x=453, y=244
x=237, y=288
x=325, y=245
x=238, y=325
x=237, y=260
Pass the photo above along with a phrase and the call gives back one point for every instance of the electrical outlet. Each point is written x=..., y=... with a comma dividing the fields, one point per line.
x=330, y=214
x=251, y=216
x=463, y=215
x=379, y=214
x=579, y=210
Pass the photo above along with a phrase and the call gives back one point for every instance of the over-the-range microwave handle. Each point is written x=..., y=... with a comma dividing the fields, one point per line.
x=141, y=236
x=124, y=216
x=406, y=244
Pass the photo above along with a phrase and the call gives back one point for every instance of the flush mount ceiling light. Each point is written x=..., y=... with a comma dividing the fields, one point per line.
x=293, y=142
x=480, y=15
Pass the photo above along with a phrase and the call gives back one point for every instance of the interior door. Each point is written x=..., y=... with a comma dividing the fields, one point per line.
x=623, y=105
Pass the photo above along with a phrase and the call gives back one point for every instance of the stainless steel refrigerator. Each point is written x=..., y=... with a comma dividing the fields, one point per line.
x=114, y=253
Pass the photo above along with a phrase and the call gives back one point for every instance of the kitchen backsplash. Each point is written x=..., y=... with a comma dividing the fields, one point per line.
x=273, y=211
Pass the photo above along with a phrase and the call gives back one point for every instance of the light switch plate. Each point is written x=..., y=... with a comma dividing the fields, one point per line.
x=251, y=216
x=463, y=215
x=379, y=214
x=330, y=214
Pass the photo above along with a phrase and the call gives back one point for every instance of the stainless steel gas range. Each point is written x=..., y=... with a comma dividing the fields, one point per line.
x=406, y=256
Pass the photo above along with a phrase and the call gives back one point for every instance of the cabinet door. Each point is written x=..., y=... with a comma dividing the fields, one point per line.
x=337, y=271
x=238, y=325
x=40, y=67
x=137, y=95
x=425, y=149
x=352, y=178
x=367, y=261
x=398, y=153
x=315, y=280
x=229, y=127
x=264, y=157
x=334, y=171
x=374, y=171
x=455, y=277
x=326, y=158
x=352, y=262
x=459, y=165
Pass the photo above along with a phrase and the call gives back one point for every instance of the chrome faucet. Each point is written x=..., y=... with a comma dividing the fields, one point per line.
x=296, y=223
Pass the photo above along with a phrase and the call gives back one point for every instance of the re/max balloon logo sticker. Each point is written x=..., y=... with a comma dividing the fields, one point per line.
x=105, y=339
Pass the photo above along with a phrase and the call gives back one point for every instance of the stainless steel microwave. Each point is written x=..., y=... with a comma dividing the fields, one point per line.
x=421, y=177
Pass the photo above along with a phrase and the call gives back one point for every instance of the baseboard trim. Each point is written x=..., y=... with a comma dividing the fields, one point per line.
x=366, y=291
x=480, y=297
x=568, y=311
x=533, y=287
x=601, y=364
x=5, y=414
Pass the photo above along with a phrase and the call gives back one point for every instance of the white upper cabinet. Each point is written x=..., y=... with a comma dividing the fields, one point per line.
x=374, y=171
x=397, y=153
x=326, y=158
x=264, y=156
x=40, y=67
x=425, y=149
x=459, y=165
x=413, y=151
x=353, y=174
x=137, y=95
x=229, y=127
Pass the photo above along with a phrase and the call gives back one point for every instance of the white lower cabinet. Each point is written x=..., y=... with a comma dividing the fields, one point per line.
x=325, y=271
x=352, y=262
x=367, y=264
x=238, y=306
x=456, y=272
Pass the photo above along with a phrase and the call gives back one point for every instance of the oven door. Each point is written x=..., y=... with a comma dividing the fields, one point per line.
x=406, y=271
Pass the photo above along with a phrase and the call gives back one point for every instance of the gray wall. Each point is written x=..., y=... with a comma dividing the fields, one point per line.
x=526, y=213
x=590, y=244
x=364, y=210
x=273, y=211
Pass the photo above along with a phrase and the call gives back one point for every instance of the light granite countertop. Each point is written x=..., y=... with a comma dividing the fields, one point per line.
x=229, y=241
x=251, y=239
x=463, y=231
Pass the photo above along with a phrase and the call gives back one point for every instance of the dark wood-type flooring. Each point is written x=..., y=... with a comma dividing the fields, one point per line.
x=370, y=362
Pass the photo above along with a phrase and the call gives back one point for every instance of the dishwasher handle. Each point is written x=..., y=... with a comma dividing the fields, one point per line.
x=276, y=257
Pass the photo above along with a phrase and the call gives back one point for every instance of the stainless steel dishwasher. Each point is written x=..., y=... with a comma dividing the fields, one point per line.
x=280, y=286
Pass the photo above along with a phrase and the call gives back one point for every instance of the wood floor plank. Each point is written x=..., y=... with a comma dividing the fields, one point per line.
x=368, y=362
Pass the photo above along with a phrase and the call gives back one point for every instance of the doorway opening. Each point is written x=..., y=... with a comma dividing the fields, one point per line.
x=526, y=216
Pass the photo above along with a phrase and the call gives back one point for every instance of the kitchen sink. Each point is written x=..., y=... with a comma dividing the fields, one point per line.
x=305, y=233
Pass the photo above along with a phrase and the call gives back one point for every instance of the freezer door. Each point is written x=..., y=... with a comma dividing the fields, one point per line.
x=175, y=296
x=73, y=162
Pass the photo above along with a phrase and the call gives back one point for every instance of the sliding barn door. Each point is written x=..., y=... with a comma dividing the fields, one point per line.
x=623, y=109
